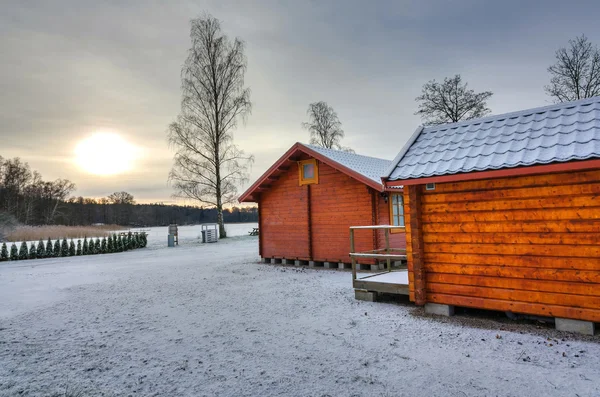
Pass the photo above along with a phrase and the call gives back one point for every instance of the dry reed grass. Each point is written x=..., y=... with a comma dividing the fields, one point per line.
x=32, y=233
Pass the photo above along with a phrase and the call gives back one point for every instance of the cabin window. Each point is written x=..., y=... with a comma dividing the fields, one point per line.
x=308, y=172
x=397, y=211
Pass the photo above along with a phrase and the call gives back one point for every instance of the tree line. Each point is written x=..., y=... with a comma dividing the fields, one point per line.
x=26, y=198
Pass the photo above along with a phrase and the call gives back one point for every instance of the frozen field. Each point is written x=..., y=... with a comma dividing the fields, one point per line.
x=207, y=320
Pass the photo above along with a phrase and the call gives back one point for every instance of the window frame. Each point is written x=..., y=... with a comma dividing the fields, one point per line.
x=308, y=181
x=391, y=212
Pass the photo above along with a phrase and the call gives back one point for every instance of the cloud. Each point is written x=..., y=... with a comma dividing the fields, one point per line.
x=71, y=68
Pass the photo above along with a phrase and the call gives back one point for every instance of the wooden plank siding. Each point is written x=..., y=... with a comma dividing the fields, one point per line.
x=294, y=228
x=528, y=244
x=338, y=202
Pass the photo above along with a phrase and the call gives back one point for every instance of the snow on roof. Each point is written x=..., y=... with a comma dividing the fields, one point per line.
x=370, y=167
x=557, y=133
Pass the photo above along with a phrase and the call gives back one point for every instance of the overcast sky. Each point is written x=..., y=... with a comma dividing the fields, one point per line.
x=71, y=68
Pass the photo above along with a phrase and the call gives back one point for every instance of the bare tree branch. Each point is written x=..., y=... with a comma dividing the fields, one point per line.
x=451, y=101
x=324, y=126
x=576, y=73
x=208, y=166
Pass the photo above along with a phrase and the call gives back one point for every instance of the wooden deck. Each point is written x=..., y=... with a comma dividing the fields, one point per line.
x=395, y=282
x=388, y=282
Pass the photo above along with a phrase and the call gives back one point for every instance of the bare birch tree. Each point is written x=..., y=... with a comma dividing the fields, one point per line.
x=208, y=166
x=576, y=73
x=324, y=126
x=450, y=102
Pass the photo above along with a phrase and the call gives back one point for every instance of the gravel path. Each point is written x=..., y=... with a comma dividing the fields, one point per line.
x=209, y=321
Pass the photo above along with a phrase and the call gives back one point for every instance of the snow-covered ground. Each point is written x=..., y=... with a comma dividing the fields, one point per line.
x=207, y=320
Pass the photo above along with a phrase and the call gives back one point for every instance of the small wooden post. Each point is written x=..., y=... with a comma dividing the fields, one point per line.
x=352, y=257
x=387, y=249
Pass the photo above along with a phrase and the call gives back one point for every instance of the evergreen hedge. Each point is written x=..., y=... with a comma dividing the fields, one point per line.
x=63, y=248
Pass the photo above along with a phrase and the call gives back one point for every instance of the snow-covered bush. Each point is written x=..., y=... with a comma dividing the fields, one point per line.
x=78, y=252
x=86, y=247
x=56, y=251
x=41, y=249
x=72, y=251
x=109, y=245
x=32, y=251
x=49, y=249
x=64, y=248
x=14, y=252
x=23, y=251
x=4, y=253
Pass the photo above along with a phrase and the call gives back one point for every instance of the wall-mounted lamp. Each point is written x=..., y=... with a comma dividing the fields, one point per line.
x=384, y=195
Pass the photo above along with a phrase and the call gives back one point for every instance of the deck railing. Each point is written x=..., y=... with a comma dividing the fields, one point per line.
x=386, y=253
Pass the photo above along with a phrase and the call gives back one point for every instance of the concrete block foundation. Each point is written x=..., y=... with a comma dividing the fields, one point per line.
x=288, y=261
x=362, y=295
x=438, y=309
x=300, y=263
x=577, y=326
x=330, y=265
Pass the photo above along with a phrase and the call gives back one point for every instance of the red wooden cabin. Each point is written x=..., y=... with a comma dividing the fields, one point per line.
x=503, y=213
x=311, y=196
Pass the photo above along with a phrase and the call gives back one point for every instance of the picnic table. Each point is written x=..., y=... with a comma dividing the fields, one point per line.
x=254, y=232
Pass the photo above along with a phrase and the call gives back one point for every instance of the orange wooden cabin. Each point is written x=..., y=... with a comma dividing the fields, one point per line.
x=311, y=196
x=503, y=213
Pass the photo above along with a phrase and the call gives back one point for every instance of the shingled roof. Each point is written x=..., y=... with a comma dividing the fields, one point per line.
x=365, y=169
x=558, y=133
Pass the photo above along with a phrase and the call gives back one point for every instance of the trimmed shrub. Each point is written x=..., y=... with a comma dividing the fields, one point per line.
x=121, y=244
x=86, y=248
x=41, y=249
x=49, y=249
x=4, y=253
x=92, y=247
x=64, y=248
x=23, y=251
x=104, y=246
x=72, y=248
x=130, y=241
x=14, y=252
x=56, y=251
x=32, y=251
x=78, y=252
x=109, y=244
x=144, y=237
x=98, y=246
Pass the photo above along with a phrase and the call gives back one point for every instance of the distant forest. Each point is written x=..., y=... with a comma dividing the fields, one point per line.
x=29, y=200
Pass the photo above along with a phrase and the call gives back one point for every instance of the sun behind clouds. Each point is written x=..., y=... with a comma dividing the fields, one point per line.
x=105, y=153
